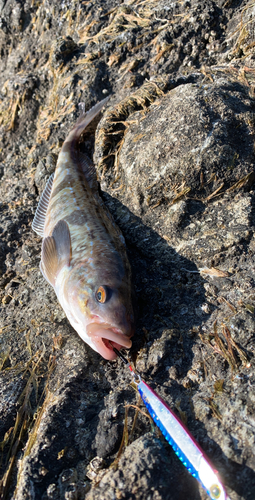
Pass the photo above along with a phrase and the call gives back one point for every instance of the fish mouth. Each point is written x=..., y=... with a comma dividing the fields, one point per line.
x=105, y=337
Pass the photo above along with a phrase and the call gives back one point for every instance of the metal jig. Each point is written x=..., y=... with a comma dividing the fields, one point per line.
x=178, y=436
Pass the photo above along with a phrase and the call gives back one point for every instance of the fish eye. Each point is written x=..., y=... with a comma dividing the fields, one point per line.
x=215, y=491
x=101, y=294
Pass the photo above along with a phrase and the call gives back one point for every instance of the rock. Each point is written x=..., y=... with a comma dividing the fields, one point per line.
x=142, y=477
x=174, y=153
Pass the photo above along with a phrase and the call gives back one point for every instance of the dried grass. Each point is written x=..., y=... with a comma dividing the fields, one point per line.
x=115, y=125
x=27, y=418
x=58, y=106
x=243, y=32
x=213, y=272
x=226, y=347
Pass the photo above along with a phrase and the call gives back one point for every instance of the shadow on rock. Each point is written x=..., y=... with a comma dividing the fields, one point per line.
x=168, y=287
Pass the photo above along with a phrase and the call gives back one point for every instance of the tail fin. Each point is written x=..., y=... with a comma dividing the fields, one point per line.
x=85, y=119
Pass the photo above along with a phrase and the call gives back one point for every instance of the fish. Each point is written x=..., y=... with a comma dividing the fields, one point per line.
x=178, y=436
x=83, y=253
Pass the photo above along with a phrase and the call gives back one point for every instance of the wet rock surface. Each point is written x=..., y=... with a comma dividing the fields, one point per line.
x=174, y=153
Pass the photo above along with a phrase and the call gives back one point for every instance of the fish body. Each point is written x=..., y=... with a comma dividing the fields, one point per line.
x=83, y=251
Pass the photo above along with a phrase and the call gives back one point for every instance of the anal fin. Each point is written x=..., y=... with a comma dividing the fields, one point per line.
x=56, y=252
x=40, y=214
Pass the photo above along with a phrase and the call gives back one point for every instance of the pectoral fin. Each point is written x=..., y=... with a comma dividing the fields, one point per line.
x=56, y=252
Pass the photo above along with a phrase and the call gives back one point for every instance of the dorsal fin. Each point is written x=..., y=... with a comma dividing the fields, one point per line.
x=56, y=252
x=88, y=170
x=40, y=214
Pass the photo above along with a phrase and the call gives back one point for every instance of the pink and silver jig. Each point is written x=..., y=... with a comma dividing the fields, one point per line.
x=179, y=437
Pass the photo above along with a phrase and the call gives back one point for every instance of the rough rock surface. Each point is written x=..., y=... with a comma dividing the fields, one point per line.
x=174, y=153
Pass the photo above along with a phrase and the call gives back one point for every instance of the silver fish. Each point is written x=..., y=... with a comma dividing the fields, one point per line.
x=83, y=251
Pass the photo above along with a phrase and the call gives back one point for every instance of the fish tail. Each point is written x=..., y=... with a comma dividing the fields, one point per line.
x=84, y=120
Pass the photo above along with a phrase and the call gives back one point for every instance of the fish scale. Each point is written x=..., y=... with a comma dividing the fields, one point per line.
x=66, y=204
x=82, y=203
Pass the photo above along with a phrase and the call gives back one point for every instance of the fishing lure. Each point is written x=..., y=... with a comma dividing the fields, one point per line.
x=178, y=436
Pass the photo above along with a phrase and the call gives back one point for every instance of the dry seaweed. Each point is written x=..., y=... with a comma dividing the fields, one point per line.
x=115, y=124
x=227, y=348
x=28, y=415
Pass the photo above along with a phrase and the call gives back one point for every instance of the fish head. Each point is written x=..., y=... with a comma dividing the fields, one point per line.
x=100, y=309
